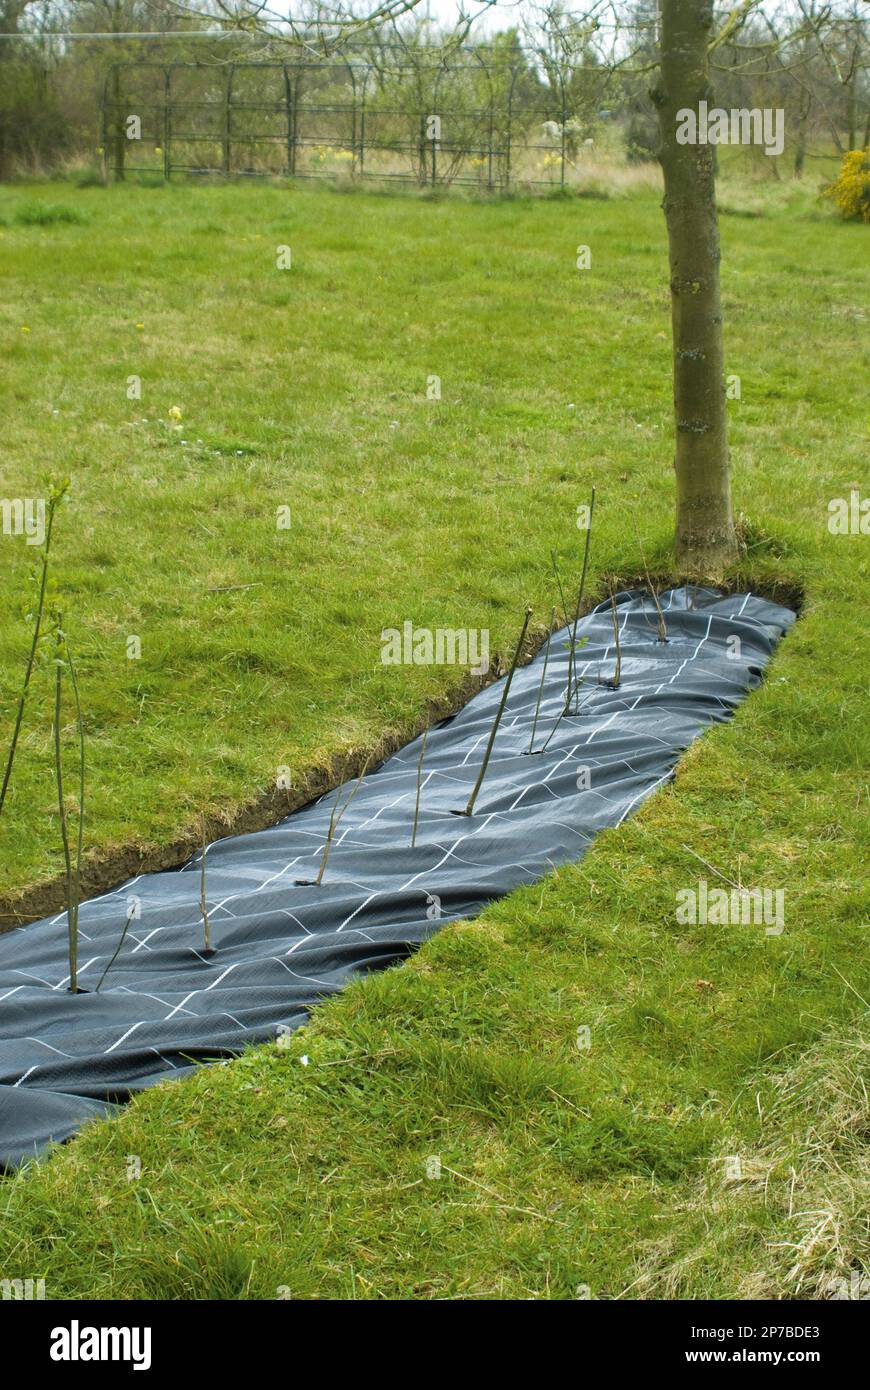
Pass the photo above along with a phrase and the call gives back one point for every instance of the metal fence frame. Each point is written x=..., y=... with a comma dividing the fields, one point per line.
x=431, y=161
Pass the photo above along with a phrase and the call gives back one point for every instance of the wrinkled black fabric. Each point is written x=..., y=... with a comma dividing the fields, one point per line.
x=281, y=946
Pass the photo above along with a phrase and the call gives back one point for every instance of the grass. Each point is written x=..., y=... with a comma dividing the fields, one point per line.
x=561, y=1169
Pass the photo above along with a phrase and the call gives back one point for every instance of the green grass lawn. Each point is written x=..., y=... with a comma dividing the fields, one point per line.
x=561, y=1170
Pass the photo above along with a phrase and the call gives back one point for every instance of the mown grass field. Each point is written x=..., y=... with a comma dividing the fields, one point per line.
x=561, y=1170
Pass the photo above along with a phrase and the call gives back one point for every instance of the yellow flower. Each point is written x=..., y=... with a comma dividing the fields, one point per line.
x=140, y=325
x=24, y=329
x=174, y=412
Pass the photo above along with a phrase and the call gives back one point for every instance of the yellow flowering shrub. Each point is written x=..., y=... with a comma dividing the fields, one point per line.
x=851, y=189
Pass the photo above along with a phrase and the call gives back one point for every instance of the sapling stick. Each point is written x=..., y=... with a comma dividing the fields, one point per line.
x=555, y=565
x=54, y=498
x=498, y=714
x=130, y=915
x=64, y=830
x=329, y=834
x=81, y=824
x=419, y=777
x=662, y=625
x=617, y=675
x=560, y=716
x=614, y=681
x=572, y=689
x=569, y=686
x=203, y=903
x=578, y=681
x=334, y=821
x=543, y=679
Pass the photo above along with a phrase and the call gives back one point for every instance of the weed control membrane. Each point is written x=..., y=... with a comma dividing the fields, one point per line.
x=280, y=945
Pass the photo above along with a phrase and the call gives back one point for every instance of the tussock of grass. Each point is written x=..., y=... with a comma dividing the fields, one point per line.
x=48, y=215
x=823, y=1183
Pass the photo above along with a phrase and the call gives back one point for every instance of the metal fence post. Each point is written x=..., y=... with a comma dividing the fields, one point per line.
x=564, y=119
x=362, y=127
x=510, y=129
x=489, y=183
x=104, y=135
x=167, y=123
x=291, y=94
x=228, y=120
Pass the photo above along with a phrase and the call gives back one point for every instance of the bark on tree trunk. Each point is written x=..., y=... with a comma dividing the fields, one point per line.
x=853, y=112
x=705, y=538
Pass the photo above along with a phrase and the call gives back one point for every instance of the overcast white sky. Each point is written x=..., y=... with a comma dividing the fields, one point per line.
x=506, y=13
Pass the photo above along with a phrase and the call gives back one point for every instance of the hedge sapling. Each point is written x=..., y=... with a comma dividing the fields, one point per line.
x=315, y=882
x=555, y=565
x=208, y=949
x=419, y=777
x=578, y=709
x=81, y=818
x=574, y=685
x=130, y=915
x=573, y=643
x=334, y=821
x=531, y=746
x=612, y=682
x=56, y=492
x=662, y=625
x=576, y=645
x=662, y=635
x=71, y=878
x=498, y=714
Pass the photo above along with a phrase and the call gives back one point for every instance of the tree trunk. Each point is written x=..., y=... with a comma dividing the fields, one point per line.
x=705, y=538
x=852, y=110
x=800, y=151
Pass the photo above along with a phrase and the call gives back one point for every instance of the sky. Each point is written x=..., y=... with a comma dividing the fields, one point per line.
x=499, y=16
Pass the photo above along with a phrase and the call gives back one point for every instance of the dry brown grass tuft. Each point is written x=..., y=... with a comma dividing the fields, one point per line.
x=795, y=1224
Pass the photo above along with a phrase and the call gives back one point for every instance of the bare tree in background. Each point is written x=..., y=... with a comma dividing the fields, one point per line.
x=842, y=39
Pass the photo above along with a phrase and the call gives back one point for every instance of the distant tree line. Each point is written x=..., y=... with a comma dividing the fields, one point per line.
x=570, y=67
